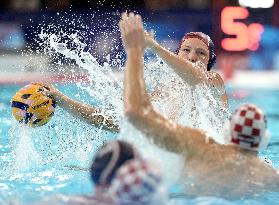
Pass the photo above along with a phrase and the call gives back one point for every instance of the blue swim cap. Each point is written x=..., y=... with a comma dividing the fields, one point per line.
x=109, y=159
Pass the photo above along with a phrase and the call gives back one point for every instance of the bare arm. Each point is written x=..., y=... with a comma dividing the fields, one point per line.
x=218, y=82
x=138, y=108
x=224, y=100
x=183, y=68
x=86, y=113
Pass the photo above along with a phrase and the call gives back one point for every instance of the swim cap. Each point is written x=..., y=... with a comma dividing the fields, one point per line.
x=108, y=160
x=207, y=40
x=248, y=128
x=136, y=182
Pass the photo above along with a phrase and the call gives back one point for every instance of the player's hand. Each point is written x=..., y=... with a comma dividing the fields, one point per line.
x=50, y=91
x=132, y=32
x=149, y=39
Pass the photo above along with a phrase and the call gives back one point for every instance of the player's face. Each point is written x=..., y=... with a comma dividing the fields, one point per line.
x=194, y=50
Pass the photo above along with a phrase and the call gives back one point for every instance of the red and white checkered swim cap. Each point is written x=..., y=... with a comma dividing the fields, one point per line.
x=136, y=182
x=248, y=127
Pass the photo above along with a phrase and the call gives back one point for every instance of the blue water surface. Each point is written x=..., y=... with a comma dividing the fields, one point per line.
x=56, y=173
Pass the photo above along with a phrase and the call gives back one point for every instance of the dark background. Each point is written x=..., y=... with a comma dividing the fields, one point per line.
x=22, y=20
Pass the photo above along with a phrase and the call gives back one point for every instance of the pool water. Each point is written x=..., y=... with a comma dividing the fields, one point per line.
x=36, y=163
x=31, y=169
x=267, y=100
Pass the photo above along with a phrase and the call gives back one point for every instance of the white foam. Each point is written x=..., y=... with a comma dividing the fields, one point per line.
x=25, y=155
x=195, y=107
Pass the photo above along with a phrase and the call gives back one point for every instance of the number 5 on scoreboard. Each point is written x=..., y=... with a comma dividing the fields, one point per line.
x=246, y=37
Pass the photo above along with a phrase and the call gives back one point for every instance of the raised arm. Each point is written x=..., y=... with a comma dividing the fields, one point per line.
x=185, y=69
x=217, y=81
x=138, y=108
x=86, y=113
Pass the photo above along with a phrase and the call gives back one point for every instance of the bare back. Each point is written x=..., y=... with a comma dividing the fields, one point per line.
x=228, y=172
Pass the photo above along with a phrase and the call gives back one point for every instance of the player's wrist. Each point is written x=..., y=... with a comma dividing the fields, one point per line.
x=154, y=45
x=60, y=98
x=134, y=50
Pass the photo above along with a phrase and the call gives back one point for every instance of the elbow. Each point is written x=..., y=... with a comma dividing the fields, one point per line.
x=132, y=114
x=138, y=114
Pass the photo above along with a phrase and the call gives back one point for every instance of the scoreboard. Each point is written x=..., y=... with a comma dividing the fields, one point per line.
x=245, y=36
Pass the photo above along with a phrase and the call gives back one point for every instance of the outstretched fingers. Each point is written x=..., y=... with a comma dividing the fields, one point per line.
x=124, y=24
x=124, y=15
x=122, y=27
x=131, y=28
x=138, y=22
x=130, y=22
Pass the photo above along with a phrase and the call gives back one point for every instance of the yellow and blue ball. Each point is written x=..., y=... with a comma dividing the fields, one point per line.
x=31, y=107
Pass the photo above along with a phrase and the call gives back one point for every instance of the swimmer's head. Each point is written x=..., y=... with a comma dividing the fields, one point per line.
x=248, y=128
x=109, y=159
x=197, y=46
x=137, y=182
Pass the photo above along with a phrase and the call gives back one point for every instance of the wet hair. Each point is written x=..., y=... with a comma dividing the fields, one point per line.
x=207, y=40
x=109, y=159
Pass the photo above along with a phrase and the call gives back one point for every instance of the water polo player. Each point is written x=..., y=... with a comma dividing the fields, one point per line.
x=212, y=169
x=120, y=176
x=195, y=47
x=193, y=57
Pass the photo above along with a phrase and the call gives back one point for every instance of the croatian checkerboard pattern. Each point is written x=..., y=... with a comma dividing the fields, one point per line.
x=248, y=126
x=135, y=182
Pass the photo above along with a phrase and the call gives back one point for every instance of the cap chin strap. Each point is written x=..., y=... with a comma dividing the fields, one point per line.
x=263, y=144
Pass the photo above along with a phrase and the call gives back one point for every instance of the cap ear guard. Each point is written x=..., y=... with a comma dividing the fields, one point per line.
x=211, y=62
x=265, y=140
x=212, y=57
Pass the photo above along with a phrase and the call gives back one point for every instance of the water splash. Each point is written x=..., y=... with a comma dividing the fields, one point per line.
x=191, y=106
x=100, y=87
x=67, y=141
x=25, y=155
x=164, y=159
x=197, y=106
